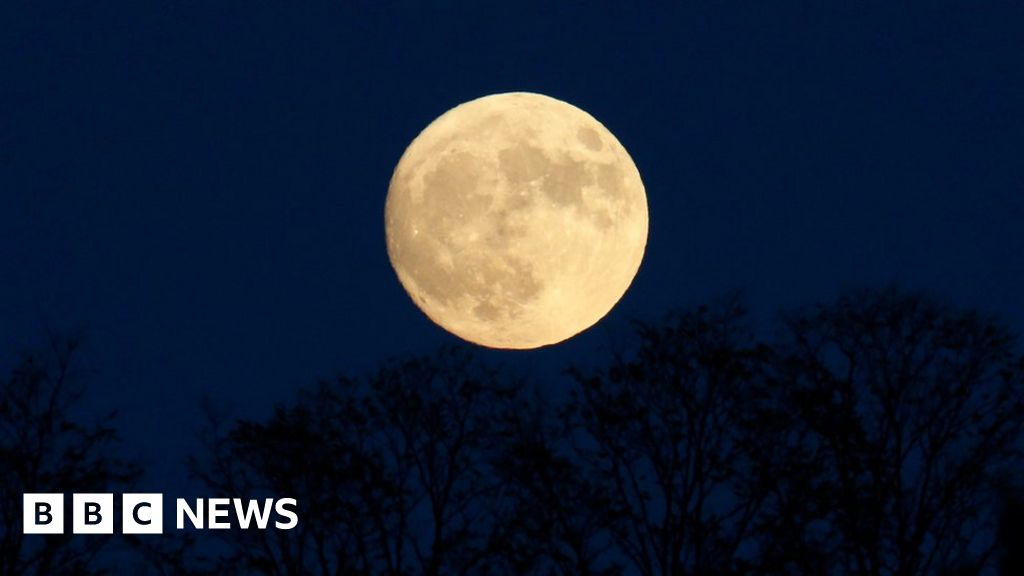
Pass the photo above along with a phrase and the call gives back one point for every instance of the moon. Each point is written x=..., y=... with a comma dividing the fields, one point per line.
x=516, y=220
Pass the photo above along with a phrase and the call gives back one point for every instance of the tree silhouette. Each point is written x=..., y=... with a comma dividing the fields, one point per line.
x=45, y=448
x=908, y=418
x=871, y=436
x=560, y=517
x=395, y=473
x=664, y=431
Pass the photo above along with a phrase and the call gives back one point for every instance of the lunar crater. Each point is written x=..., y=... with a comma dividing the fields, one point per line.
x=589, y=138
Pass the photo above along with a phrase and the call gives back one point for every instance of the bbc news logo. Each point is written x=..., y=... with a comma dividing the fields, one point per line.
x=143, y=513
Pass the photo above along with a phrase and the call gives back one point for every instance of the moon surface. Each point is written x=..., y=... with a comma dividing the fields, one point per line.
x=516, y=220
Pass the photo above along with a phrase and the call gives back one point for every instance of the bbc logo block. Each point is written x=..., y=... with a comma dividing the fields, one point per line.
x=93, y=514
x=43, y=514
x=144, y=513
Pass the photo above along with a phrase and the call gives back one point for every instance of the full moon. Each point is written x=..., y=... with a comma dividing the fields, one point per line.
x=516, y=220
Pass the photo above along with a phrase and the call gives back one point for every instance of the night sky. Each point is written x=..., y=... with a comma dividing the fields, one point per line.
x=199, y=190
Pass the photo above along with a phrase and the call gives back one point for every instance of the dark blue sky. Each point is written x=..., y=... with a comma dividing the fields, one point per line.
x=201, y=190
